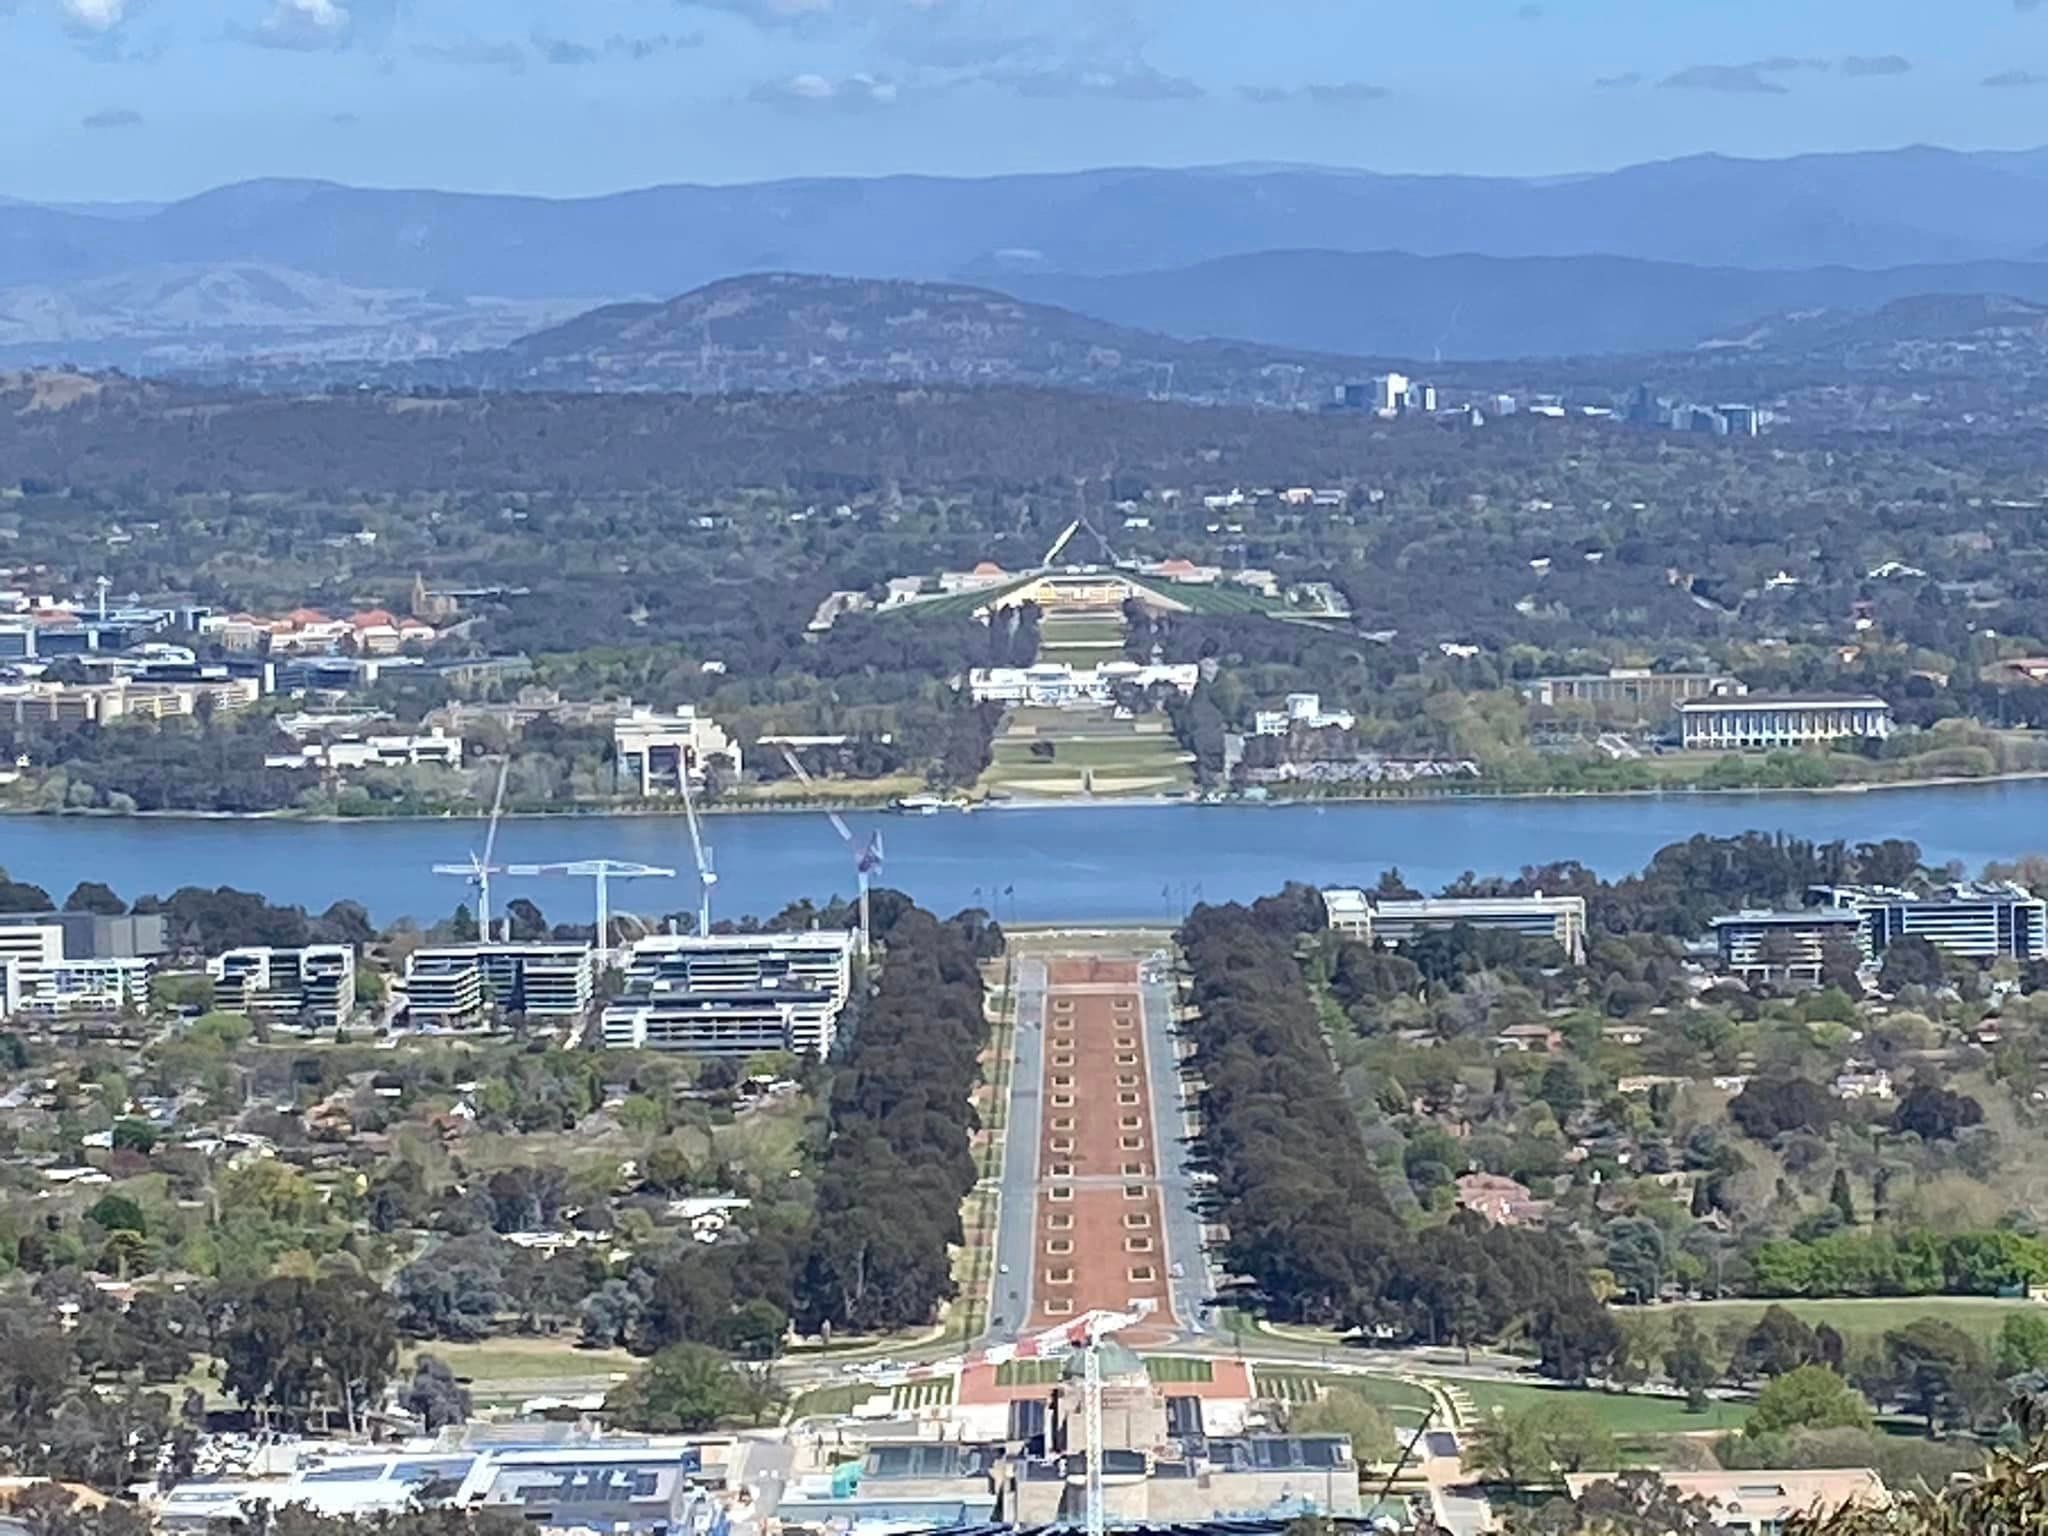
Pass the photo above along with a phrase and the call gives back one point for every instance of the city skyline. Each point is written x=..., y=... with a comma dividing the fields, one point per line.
x=158, y=99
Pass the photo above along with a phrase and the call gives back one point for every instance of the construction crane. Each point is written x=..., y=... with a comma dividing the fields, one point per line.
x=603, y=871
x=478, y=870
x=707, y=877
x=867, y=857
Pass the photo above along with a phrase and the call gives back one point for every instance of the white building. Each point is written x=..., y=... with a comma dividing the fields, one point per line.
x=1390, y=393
x=399, y=751
x=1394, y=922
x=451, y=986
x=1304, y=710
x=1062, y=686
x=318, y=981
x=655, y=748
x=1758, y=722
x=39, y=977
x=733, y=994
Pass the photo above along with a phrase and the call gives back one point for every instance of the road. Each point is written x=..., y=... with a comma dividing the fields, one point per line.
x=1016, y=1209
x=1173, y=1133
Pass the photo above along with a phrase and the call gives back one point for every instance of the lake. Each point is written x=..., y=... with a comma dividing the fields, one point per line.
x=1113, y=863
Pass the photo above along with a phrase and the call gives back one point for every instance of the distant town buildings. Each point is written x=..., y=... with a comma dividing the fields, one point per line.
x=655, y=749
x=1759, y=722
x=43, y=703
x=733, y=994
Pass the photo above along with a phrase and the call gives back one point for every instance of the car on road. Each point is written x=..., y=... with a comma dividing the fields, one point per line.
x=1002, y=1269
x=1180, y=1270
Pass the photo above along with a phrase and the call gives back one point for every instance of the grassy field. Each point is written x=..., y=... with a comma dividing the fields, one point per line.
x=1627, y=1415
x=524, y=1360
x=1979, y=1316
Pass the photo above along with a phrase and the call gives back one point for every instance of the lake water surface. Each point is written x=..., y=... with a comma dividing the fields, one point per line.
x=1121, y=862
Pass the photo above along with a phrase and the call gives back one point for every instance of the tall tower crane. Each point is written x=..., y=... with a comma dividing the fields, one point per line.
x=478, y=870
x=867, y=857
x=1086, y=1333
x=707, y=877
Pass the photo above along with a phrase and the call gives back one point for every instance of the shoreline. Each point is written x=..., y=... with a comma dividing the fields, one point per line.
x=1041, y=803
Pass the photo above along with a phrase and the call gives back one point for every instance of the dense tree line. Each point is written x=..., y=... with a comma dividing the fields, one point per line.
x=898, y=1161
x=1313, y=1234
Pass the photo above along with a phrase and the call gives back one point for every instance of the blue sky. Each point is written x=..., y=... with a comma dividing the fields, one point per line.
x=161, y=98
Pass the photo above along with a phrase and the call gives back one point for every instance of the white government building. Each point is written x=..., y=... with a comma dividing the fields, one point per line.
x=1755, y=722
x=656, y=748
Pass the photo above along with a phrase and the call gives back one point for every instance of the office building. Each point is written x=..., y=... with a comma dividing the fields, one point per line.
x=1985, y=920
x=1358, y=915
x=316, y=983
x=655, y=749
x=1757, y=722
x=452, y=986
x=1631, y=688
x=1741, y=420
x=1390, y=393
x=1792, y=945
x=17, y=641
x=49, y=974
x=733, y=994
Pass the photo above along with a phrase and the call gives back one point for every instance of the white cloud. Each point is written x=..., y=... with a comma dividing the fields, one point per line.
x=96, y=15
x=853, y=93
x=305, y=26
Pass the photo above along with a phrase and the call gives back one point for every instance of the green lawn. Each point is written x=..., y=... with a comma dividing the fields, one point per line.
x=1300, y=1386
x=1168, y=1370
x=1625, y=1414
x=1141, y=754
x=525, y=1360
x=1979, y=1316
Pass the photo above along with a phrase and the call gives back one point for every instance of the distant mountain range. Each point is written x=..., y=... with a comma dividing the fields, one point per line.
x=1647, y=258
x=784, y=332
